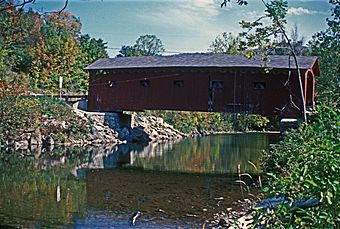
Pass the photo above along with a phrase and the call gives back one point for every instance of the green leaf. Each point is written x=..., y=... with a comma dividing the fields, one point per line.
x=311, y=182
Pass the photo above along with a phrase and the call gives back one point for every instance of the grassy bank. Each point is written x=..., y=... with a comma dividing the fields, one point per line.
x=22, y=114
x=306, y=164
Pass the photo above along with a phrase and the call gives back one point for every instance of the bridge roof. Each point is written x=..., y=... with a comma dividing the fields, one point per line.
x=202, y=60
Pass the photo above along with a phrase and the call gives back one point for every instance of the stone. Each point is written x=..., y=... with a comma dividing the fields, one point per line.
x=36, y=139
x=48, y=141
x=21, y=145
x=36, y=150
x=99, y=128
x=154, y=133
x=160, y=120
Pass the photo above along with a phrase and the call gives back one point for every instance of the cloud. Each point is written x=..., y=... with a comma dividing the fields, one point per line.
x=299, y=11
x=197, y=15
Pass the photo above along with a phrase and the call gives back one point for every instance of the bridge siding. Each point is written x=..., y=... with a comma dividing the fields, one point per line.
x=162, y=94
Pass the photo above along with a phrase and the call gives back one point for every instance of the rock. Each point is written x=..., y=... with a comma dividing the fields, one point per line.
x=36, y=150
x=222, y=222
x=36, y=139
x=23, y=145
x=96, y=142
x=98, y=127
x=160, y=120
x=154, y=134
x=48, y=141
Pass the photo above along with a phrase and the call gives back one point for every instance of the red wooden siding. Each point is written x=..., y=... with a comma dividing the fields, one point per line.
x=199, y=89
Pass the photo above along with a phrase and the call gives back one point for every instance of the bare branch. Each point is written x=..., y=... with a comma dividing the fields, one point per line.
x=58, y=11
x=9, y=5
x=22, y=4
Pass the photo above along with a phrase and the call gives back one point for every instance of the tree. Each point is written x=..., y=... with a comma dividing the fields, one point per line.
x=57, y=54
x=20, y=4
x=258, y=36
x=297, y=42
x=226, y=43
x=146, y=45
x=92, y=48
x=325, y=45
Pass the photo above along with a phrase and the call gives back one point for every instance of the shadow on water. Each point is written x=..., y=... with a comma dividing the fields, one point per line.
x=177, y=184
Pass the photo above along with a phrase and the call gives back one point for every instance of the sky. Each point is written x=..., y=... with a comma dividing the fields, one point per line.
x=182, y=25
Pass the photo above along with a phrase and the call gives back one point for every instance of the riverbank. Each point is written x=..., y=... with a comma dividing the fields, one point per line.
x=49, y=121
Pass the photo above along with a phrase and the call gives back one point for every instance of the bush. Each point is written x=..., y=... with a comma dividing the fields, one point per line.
x=188, y=122
x=306, y=164
x=19, y=114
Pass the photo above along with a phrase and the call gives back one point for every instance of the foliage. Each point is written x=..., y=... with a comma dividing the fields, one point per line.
x=226, y=43
x=92, y=48
x=193, y=122
x=306, y=165
x=246, y=122
x=19, y=33
x=44, y=47
x=18, y=114
x=282, y=46
x=325, y=45
x=58, y=54
x=259, y=35
x=146, y=45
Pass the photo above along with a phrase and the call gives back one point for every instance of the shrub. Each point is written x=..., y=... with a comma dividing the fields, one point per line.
x=19, y=114
x=306, y=164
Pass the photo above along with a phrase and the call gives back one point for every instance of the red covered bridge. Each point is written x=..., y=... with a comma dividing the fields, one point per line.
x=202, y=82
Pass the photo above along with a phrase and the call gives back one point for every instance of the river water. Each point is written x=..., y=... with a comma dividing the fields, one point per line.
x=175, y=184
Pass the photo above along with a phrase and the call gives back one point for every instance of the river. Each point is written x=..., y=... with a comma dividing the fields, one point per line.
x=175, y=184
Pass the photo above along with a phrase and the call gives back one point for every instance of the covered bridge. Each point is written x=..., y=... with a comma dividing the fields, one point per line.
x=202, y=82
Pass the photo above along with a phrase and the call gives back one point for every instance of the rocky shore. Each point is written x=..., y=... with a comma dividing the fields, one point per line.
x=101, y=129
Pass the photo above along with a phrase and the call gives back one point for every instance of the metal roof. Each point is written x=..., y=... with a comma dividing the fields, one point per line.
x=201, y=60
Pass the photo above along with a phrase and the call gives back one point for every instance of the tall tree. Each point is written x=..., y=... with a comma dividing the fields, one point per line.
x=259, y=34
x=325, y=45
x=146, y=45
x=92, y=48
x=226, y=43
x=58, y=54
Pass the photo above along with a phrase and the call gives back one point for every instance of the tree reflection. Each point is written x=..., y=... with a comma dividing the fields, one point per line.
x=211, y=154
x=28, y=188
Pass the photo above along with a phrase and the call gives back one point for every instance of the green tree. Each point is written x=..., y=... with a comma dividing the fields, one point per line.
x=257, y=37
x=19, y=33
x=58, y=54
x=92, y=49
x=146, y=45
x=325, y=45
x=226, y=43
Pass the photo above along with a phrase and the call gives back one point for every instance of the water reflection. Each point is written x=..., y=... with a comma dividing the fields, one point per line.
x=174, y=184
x=211, y=154
x=29, y=190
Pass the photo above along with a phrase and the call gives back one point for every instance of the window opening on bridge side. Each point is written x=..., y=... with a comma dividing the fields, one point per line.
x=179, y=83
x=111, y=83
x=145, y=83
x=259, y=85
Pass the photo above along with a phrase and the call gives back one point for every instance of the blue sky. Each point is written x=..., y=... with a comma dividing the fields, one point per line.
x=182, y=25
